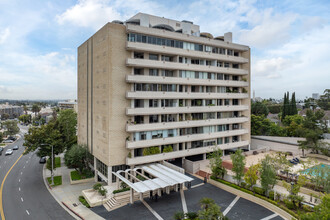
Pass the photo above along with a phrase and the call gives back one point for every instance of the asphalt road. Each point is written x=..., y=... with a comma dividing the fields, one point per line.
x=24, y=194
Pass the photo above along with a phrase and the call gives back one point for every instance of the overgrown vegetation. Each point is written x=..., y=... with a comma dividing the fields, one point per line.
x=83, y=201
x=100, y=189
x=150, y=151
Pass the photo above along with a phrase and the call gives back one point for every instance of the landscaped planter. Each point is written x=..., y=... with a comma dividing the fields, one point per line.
x=89, y=180
x=93, y=197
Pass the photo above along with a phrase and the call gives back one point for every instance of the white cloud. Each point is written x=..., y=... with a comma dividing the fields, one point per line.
x=89, y=13
x=268, y=29
x=4, y=35
x=271, y=68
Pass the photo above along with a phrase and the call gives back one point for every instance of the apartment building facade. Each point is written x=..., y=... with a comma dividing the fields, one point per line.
x=153, y=89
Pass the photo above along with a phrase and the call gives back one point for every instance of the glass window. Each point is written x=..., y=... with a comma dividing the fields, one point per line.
x=153, y=72
x=153, y=57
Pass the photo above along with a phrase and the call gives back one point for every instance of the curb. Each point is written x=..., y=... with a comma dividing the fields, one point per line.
x=51, y=192
x=72, y=210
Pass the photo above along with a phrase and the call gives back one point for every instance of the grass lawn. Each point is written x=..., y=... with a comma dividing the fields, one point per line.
x=1, y=144
x=57, y=162
x=76, y=176
x=57, y=180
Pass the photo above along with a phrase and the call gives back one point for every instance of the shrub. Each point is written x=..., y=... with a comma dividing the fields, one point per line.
x=103, y=191
x=243, y=184
x=271, y=195
x=307, y=208
x=288, y=204
x=150, y=151
x=259, y=190
x=83, y=201
x=97, y=186
x=167, y=149
x=192, y=215
x=121, y=190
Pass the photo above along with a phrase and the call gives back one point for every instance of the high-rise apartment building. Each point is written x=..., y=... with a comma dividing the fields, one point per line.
x=153, y=89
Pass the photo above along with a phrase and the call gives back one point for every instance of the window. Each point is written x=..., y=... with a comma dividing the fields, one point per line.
x=219, y=76
x=235, y=126
x=236, y=54
x=219, y=64
x=230, y=52
x=153, y=103
x=153, y=118
x=226, y=77
x=153, y=57
x=167, y=73
x=138, y=55
x=222, y=51
x=138, y=71
x=226, y=65
x=235, y=102
x=153, y=72
x=219, y=140
x=226, y=101
x=143, y=135
x=226, y=140
x=138, y=103
x=208, y=49
x=235, y=78
x=167, y=58
x=235, y=65
x=219, y=102
x=235, y=138
x=208, y=62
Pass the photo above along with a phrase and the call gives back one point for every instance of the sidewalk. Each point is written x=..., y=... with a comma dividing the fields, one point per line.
x=68, y=193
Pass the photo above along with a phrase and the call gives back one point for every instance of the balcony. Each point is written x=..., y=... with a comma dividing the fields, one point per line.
x=135, y=46
x=187, y=109
x=183, y=124
x=184, y=138
x=153, y=64
x=182, y=153
x=185, y=95
x=184, y=81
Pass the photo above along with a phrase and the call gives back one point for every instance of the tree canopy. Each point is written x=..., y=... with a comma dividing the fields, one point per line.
x=238, y=160
x=267, y=174
x=78, y=157
x=259, y=108
x=11, y=127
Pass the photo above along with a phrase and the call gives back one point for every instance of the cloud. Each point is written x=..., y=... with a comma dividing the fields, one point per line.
x=89, y=13
x=268, y=29
x=4, y=35
x=271, y=68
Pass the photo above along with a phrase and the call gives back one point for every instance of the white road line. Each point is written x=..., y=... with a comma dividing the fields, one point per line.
x=27, y=161
x=19, y=180
x=19, y=188
x=23, y=167
x=22, y=199
x=183, y=200
x=197, y=185
x=21, y=173
x=27, y=212
x=231, y=205
x=151, y=210
x=270, y=217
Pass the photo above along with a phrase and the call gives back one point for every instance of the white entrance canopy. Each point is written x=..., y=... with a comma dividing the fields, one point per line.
x=163, y=177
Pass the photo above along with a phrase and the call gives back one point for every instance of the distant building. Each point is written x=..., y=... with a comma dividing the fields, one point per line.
x=69, y=104
x=11, y=110
x=316, y=96
x=274, y=118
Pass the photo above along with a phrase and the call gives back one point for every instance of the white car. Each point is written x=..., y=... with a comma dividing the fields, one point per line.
x=8, y=141
x=9, y=152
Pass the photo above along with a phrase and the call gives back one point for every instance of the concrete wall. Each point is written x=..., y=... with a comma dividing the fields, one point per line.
x=190, y=166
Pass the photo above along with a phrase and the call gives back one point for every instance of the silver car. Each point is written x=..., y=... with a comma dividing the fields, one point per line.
x=9, y=152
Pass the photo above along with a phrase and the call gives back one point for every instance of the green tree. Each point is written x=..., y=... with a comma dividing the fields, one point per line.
x=251, y=176
x=5, y=116
x=1, y=137
x=312, y=131
x=285, y=105
x=259, y=125
x=210, y=210
x=293, y=105
x=42, y=138
x=267, y=174
x=238, y=160
x=324, y=101
x=11, y=127
x=78, y=158
x=67, y=125
x=321, y=211
x=25, y=118
x=218, y=171
x=36, y=109
x=259, y=108
x=294, y=190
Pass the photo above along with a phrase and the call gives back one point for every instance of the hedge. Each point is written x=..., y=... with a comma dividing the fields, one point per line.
x=121, y=190
x=83, y=201
x=256, y=195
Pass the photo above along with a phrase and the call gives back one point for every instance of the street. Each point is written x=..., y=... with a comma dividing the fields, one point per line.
x=24, y=194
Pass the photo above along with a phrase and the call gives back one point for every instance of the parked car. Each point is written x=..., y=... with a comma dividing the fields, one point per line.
x=1, y=149
x=11, y=138
x=9, y=152
x=15, y=147
x=42, y=160
x=8, y=141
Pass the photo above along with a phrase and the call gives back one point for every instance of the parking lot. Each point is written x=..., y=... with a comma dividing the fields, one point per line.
x=168, y=205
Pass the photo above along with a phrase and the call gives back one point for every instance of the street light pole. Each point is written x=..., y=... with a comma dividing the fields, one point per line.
x=52, y=164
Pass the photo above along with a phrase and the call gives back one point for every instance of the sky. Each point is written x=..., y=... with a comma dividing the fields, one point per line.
x=289, y=40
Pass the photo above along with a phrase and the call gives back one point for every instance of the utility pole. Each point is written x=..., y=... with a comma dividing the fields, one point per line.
x=52, y=164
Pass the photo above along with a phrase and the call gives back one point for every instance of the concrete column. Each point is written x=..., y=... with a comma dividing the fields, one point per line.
x=95, y=170
x=176, y=187
x=141, y=196
x=109, y=175
x=204, y=156
x=159, y=192
x=131, y=196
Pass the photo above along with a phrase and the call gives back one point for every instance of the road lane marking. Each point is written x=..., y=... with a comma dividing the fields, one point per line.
x=1, y=189
x=23, y=167
x=183, y=201
x=19, y=180
x=27, y=212
x=270, y=217
x=151, y=210
x=22, y=199
x=19, y=188
x=231, y=205
x=21, y=173
x=197, y=185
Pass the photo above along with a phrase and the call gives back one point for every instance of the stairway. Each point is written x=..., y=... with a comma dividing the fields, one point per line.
x=121, y=200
